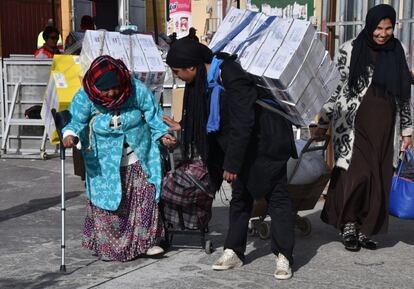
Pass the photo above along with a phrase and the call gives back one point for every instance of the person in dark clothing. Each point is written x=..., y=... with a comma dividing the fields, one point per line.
x=240, y=142
x=172, y=38
x=73, y=42
x=192, y=34
x=50, y=47
x=371, y=103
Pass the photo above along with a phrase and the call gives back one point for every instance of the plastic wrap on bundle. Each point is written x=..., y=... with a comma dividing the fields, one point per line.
x=246, y=19
x=274, y=39
x=248, y=48
x=138, y=51
x=232, y=46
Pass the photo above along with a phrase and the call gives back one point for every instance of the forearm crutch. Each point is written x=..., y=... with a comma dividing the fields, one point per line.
x=61, y=119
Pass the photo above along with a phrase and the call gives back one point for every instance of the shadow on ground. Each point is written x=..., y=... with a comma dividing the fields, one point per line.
x=35, y=205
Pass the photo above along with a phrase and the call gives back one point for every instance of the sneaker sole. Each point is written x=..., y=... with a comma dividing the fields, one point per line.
x=282, y=277
x=223, y=268
x=155, y=253
x=353, y=249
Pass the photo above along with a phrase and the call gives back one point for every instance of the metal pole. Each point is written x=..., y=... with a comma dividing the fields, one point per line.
x=331, y=49
x=126, y=21
x=364, y=9
x=324, y=19
x=154, y=16
x=72, y=6
x=167, y=12
x=342, y=10
x=405, y=35
x=396, y=5
x=63, y=208
x=332, y=29
x=411, y=62
x=412, y=38
x=54, y=12
x=358, y=16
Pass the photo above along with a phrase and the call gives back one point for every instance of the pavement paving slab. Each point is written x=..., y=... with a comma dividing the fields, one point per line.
x=30, y=246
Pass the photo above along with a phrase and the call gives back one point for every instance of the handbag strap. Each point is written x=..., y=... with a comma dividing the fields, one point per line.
x=400, y=166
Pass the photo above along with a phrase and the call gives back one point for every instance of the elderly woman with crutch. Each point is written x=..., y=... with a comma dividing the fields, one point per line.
x=120, y=128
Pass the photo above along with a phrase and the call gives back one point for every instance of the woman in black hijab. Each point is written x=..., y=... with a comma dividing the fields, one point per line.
x=370, y=107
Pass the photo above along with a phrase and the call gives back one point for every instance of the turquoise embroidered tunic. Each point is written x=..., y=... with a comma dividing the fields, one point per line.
x=141, y=127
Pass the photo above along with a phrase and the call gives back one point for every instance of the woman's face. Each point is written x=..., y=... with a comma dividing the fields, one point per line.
x=383, y=32
x=185, y=74
x=52, y=40
x=113, y=93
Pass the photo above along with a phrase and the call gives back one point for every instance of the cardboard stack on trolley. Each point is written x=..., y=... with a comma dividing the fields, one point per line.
x=287, y=58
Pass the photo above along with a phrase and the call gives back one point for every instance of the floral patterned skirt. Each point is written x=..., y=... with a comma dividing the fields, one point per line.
x=133, y=228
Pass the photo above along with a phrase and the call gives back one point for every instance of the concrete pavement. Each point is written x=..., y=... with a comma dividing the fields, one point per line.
x=30, y=246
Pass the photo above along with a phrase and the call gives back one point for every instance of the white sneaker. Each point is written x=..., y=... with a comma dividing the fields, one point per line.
x=283, y=270
x=154, y=250
x=228, y=260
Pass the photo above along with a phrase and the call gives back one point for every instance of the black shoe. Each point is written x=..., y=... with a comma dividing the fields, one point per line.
x=366, y=242
x=349, y=237
x=351, y=243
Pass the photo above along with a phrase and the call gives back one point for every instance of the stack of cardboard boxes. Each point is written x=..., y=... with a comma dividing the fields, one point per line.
x=138, y=51
x=286, y=57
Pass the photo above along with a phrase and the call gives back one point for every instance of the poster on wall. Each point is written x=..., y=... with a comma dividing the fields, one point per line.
x=299, y=9
x=180, y=17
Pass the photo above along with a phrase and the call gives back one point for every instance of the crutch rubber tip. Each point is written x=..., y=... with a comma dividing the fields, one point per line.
x=62, y=268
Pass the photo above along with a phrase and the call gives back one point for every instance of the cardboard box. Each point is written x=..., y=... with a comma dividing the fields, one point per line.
x=270, y=46
x=249, y=49
x=138, y=52
x=291, y=53
x=153, y=59
x=232, y=46
x=63, y=84
x=115, y=48
x=233, y=17
x=300, y=78
x=92, y=46
x=226, y=37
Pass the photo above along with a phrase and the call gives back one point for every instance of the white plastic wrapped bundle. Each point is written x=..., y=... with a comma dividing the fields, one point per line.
x=251, y=46
x=92, y=46
x=270, y=46
x=232, y=46
x=138, y=52
x=283, y=55
x=306, y=71
x=290, y=55
x=114, y=46
x=232, y=19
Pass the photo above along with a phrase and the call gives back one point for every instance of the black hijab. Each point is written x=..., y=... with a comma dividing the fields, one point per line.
x=391, y=71
x=185, y=53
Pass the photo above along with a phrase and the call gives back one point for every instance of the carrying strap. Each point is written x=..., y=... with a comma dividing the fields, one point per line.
x=400, y=166
x=269, y=107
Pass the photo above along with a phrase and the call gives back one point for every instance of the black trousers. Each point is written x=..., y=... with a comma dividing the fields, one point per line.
x=279, y=209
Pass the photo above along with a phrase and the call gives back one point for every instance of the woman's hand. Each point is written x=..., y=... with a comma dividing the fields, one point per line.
x=174, y=126
x=406, y=143
x=168, y=140
x=70, y=141
x=229, y=177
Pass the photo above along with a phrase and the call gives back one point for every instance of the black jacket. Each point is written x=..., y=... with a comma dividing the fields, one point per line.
x=252, y=142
